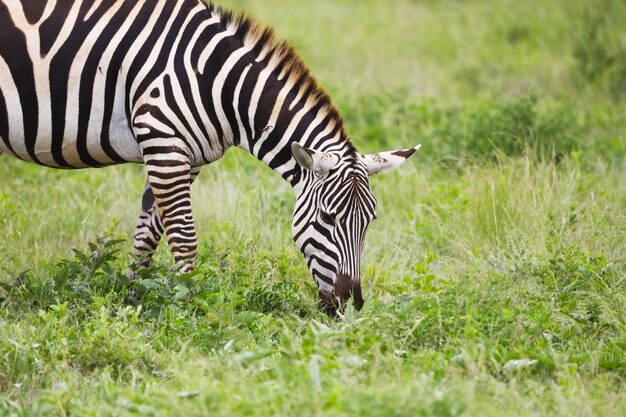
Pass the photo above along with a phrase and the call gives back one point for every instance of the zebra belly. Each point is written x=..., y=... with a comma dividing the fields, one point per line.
x=119, y=135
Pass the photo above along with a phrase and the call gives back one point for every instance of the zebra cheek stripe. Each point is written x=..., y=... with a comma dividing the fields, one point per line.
x=174, y=85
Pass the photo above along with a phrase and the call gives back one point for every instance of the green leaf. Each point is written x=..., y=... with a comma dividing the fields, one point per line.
x=181, y=292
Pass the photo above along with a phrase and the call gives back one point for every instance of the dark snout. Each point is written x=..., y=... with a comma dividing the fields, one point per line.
x=335, y=301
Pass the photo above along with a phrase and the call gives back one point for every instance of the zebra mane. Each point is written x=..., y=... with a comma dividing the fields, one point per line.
x=289, y=63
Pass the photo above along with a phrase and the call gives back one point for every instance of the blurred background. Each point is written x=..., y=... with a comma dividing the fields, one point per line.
x=467, y=76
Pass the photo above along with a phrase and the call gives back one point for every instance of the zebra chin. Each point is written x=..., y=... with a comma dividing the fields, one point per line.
x=335, y=301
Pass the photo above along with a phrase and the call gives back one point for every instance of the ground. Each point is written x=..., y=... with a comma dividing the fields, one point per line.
x=494, y=277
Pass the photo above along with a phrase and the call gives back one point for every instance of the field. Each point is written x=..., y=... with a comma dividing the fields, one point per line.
x=494, y=277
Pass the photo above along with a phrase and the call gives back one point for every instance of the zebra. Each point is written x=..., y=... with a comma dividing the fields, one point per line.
x=173, y=84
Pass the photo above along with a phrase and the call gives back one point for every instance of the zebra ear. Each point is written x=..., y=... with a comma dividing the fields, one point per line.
x=313, y=160
x=384, y=161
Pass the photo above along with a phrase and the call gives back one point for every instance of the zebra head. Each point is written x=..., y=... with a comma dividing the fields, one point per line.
x=334, y=207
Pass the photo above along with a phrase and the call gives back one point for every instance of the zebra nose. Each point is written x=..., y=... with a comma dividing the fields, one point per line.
x=345, y=286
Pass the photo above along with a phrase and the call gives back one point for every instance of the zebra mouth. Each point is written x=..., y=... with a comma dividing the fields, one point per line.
x=345, y=287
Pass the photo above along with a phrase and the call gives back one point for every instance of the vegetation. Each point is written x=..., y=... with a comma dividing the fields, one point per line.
x=494, y=279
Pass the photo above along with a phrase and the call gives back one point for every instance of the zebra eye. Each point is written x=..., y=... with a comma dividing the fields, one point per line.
x=327, y=218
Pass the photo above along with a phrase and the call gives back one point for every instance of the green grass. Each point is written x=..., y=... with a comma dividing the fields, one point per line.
x=495, y=277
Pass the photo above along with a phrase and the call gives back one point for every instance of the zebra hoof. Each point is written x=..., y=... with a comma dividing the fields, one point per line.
x=184, y=268
x=131, y=274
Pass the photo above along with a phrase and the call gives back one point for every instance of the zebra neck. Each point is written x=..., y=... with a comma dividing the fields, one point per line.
x=262, y=96
x=272, y=146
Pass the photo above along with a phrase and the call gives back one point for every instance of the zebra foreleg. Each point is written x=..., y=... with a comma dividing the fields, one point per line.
x=170, y=181
x=149, y=227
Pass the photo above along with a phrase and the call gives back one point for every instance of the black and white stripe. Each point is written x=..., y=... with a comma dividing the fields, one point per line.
x=174, y=84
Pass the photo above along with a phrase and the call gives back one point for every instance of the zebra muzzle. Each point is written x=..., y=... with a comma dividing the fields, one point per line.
x=345, y=287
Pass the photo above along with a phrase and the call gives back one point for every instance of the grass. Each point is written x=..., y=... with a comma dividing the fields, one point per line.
x=494, y=279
